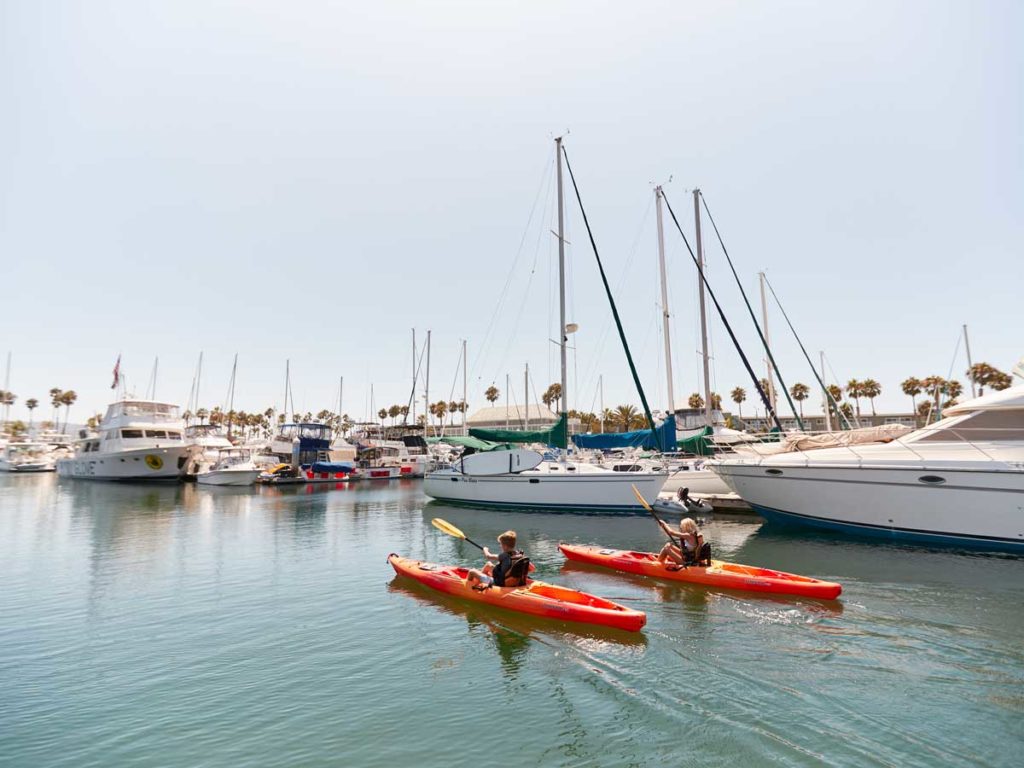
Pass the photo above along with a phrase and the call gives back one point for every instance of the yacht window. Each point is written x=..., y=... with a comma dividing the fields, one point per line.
x=174, y=435
x=86, y=448
x=983, y=425
x=94, y=445
x=156, y=433
x=131, y=434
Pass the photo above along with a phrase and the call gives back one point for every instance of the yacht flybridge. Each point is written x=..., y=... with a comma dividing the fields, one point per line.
x=136, y=440
x=959, y=481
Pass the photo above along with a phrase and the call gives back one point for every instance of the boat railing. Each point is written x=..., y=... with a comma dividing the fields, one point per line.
x=971, y=437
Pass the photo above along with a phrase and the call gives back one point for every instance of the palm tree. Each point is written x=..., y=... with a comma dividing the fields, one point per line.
x=67, y=399
x=491, y=394
x=383, y=414
x=394, y=412
x=556, y=395
x=984, y=374
x=855, y=390
x=440, y=410
x=624, y=414
x=912, y=388
x=952, y=390
x=1001, y=381
x=31, y=404
x=870, y=389
x=738, y=395
x=202, y=414
x=800, y=392
x=639, y=421
x=695, y=401
x=716, y=401
x=55, y=394
x=933, y=385
x=607, y=417
x=835, y=394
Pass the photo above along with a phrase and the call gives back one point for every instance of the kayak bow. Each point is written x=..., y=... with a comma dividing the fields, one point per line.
x=726, y=575
x=536, y=598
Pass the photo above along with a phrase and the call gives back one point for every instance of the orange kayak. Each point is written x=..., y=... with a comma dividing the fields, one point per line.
x=719, y=574
x=536, y=598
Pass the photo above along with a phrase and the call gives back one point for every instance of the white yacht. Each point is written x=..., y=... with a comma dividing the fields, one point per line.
x=26, y=457
x=137, y=440
x=209, y=440
x=959, y=481
x=234, y=466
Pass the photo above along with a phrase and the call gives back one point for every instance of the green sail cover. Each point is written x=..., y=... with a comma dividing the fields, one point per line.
x=470, y=442
x=558, y=435
x=698, y=444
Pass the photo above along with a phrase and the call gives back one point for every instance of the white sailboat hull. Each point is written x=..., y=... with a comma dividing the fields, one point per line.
x=702, y=482
x=600, y=492
x=141, y=464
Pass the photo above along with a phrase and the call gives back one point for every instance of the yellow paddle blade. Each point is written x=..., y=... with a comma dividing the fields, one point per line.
x=444, y=525
x=640, y=498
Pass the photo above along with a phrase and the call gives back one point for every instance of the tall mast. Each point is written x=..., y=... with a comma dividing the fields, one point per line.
x=341, y=392
x=415, y=376
x=199, y=379
x=824, y=394
x=767, y=342
x=231, y=396
x=600, y=386
x=7, y=387
x=664, y=303
x=967, y=344
x=703, y=312
x=156, y=366
x=426, y=391
x=526, y=389
x=287, y=381
x=562, y=337
x=465, y=386
x=506, y=399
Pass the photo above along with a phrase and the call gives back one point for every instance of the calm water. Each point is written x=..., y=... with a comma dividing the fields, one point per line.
x=186, y=626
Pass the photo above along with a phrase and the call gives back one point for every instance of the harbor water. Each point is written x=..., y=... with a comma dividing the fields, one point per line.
x=189, y=626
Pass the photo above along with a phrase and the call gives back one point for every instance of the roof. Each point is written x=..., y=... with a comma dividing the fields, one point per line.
x=514, y=413
x=1007, y=399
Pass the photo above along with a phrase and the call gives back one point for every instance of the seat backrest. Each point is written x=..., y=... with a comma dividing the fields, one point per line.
x=518, y=571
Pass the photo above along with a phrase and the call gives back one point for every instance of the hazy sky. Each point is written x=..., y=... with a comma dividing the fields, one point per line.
x=311, y=180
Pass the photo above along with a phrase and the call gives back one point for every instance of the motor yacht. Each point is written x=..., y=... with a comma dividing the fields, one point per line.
x=234, y=466
x=958, y=481
x=136, y=440
x=26, y=457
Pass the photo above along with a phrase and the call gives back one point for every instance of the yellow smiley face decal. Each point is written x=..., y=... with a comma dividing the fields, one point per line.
x=154, y=462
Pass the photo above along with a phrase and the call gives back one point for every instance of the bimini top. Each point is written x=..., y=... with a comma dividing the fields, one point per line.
x=143, y=410
x=1007, y=400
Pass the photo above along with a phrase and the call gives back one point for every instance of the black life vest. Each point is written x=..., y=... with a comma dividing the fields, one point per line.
x=518, y=570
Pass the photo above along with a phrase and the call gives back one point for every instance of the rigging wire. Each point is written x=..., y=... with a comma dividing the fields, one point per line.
x=760, y=333
x=515, y=261
x=721, y=314
x=803, y=349
x=615, y=311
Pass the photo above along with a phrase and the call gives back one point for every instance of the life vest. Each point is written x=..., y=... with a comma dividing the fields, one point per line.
x=518, y=570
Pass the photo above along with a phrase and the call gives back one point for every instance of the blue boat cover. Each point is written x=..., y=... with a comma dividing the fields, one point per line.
x=333, y=466
x=640, y=438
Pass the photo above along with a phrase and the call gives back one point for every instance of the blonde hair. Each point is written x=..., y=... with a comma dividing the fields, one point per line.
x=508, y=539
x=687, y=525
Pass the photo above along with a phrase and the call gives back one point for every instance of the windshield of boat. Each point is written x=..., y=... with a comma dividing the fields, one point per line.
x=986, y=425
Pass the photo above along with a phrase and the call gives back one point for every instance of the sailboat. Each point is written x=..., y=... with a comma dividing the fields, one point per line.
x=545, y=484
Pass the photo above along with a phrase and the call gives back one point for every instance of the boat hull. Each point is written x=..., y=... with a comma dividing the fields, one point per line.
x=222, y=477
x=141, y=464
x=605, y=492
x=720, y=575
x=537, y=598
x=971, y=508
x=699, y=481
x=27, y=467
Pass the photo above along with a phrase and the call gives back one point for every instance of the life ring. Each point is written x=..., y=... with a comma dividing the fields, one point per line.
x=154, y=462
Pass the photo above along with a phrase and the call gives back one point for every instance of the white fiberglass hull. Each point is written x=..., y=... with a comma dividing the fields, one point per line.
x=702, y=482
x=26, y=467
x=140, y=464
x=979, y=508
x=233, y=477
x=597, y=491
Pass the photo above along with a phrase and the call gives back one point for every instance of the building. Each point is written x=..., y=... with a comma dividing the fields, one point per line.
x=536, y=415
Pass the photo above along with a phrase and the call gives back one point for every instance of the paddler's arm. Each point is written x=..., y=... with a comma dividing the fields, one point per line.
x=489, y=555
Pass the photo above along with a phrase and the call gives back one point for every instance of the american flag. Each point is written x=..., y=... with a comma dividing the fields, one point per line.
x=117, y=373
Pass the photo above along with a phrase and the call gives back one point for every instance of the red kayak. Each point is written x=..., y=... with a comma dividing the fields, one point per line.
x=718, y=574
x=536, y=598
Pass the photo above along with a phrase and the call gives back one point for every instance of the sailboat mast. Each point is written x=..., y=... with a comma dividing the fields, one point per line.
x=415, y=375
x=526, y=399
x=156, y=366
x=664, y=303
x=231, y=396
x=767, y=342
x=562, y=337
x=824, y=396
x=506, y=399
x=199, y=379
x=426, y=391
x=287, y=372
x=465, y=386
x=703, y=311
x=970, y=364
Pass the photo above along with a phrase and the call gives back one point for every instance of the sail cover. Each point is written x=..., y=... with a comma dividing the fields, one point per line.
x=640, y=438
x=557, y=436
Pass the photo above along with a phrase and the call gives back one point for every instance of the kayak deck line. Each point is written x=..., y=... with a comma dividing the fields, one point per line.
x=718, y=574
x=537, y=598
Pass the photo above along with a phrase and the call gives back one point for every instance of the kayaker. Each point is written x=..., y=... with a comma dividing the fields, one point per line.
x=692, y=540
x=508, y=569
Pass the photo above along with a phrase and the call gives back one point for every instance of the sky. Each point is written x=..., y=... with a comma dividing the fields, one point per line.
x=310, y=181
